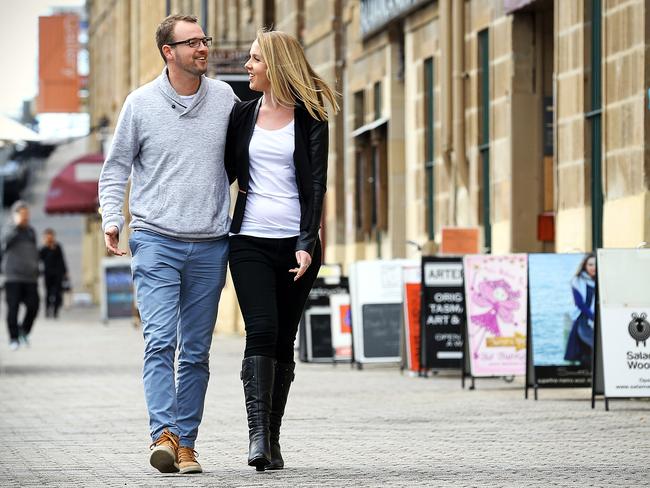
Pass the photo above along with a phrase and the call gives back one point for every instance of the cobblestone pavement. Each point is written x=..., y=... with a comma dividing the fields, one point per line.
x=72, y=414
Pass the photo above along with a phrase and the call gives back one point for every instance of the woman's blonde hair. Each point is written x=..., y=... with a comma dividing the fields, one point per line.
x=291, y=76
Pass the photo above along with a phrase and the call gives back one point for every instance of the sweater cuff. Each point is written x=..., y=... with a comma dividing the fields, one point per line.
x=114, y=220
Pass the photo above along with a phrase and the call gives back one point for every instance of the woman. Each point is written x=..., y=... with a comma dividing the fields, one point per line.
x=581, y=338
x=277, y=150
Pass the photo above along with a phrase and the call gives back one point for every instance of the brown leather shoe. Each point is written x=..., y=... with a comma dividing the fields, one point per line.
x=164, y=452
x=187, y=462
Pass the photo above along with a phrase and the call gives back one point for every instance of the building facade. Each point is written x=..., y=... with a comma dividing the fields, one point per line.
x=526, y=119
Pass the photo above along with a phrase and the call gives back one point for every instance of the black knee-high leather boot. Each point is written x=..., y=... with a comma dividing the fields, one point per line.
x=257, y=376
x=284, y=375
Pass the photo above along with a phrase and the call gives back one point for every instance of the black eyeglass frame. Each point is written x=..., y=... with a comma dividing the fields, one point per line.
x=206, y=41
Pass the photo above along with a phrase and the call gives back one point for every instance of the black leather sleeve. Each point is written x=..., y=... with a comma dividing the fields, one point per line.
x=231, y=143
x=317, y=150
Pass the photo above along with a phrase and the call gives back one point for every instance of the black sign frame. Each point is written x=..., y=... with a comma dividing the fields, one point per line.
x=427, y=349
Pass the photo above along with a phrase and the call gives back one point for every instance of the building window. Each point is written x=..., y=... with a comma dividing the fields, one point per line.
x=594, y=118
x=361, y=203
x=269, y=14
x=484, y=135
x=371, y=167
x=377, y=99
x=204, y=16
x=359, y=109
x=429, y=148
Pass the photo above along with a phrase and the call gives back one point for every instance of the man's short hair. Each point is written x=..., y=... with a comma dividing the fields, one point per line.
x=49, y=231
x=165, y=31
x=18, y=206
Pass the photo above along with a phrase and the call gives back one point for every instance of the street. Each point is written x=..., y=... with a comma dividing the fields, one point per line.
x=73, y=414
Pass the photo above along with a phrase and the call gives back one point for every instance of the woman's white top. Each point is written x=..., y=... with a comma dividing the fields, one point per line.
x=272, y=205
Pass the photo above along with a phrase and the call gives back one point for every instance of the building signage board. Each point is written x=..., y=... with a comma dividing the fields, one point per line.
x=377, y=310
x=561, y=288
x=624, y=297
x=460, y=240
x=496, y=301
x=375, y=14
x=443, y=312
x=58, y=78
x=223, y=61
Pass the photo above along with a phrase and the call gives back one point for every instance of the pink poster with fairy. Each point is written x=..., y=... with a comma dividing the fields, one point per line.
x=496, y=307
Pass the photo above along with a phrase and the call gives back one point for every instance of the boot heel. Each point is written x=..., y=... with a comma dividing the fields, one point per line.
x=259, y=463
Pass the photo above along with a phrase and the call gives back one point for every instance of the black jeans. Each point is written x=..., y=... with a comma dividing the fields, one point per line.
x=53, y=293
x=270, y=301
x=17, y=293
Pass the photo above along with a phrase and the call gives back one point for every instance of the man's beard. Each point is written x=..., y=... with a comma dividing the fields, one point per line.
x=193, y=69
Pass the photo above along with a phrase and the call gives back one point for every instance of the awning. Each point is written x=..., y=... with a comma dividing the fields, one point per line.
x=74, y=189
x=510, y=6
x=10, y=130
x=368, y=127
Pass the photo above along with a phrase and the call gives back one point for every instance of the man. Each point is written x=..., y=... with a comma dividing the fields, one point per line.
x=55, y=272
x=171, y=133
x=20, y=264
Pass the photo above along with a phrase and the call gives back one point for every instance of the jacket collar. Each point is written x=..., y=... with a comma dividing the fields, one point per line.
x=168, y=91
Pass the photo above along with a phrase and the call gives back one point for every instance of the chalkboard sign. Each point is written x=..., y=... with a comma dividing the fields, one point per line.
x=117, y=288
x=318, y=334
x=381, y=329
x=443, y=312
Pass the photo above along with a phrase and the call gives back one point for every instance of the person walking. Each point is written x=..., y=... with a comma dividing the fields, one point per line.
x=20, y=265
x=277, y=150
x=171, y=133
x=55, y=272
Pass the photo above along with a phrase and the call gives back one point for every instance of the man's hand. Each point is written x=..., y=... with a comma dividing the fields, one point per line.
x=304, y=260
x=112, y=238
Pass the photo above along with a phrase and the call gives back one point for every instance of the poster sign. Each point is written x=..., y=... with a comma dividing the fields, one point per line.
x=376, y=299
x=117, y=288
x=412, y=314
x=562, y=293
x=495, y=291
x=624, y=293
x=341, y=327
x=443, y=312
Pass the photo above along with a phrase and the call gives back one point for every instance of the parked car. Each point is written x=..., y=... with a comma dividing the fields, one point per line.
x=15, y=175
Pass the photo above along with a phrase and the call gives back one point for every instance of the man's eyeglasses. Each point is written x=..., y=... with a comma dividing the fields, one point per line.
x=194, y=42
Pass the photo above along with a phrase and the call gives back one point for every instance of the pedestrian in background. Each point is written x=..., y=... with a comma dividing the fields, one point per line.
x=170, y=138
x=277, y=150
x=55, y=272
x=20, y=266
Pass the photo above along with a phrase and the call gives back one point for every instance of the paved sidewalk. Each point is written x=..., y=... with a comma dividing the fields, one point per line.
x=72, y=414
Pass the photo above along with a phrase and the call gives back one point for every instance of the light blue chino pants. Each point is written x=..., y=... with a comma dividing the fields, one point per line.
x=177, y=287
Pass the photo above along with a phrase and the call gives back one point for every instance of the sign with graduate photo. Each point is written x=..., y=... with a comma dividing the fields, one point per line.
x=496, y=304
x=624, y=296
x=562, y=291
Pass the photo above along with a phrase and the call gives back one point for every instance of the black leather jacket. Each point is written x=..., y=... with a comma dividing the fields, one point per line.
x=309, y=157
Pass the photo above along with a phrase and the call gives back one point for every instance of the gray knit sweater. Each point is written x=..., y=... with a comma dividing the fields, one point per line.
x=174, y=154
